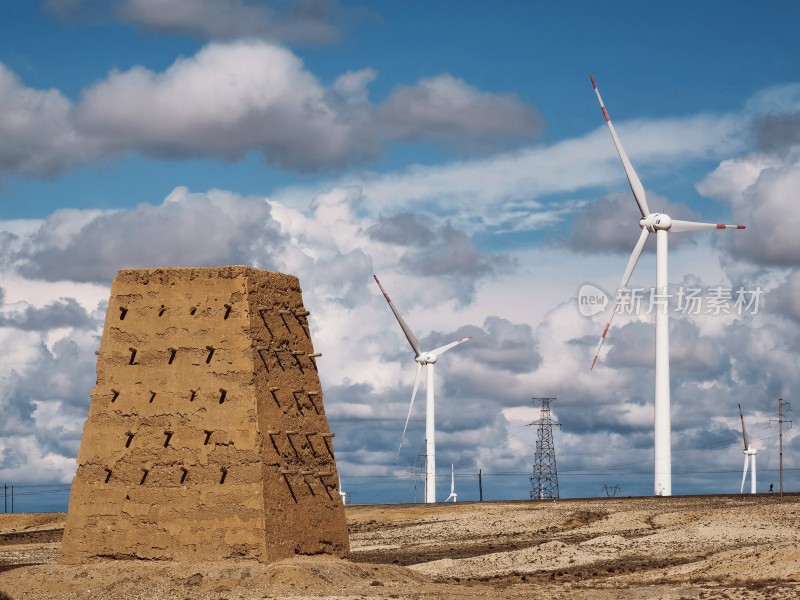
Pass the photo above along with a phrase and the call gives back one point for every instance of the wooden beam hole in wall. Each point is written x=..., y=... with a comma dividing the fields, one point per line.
x=311, y=443
x=122, y=312
x=272, y=391
x=305, y=473
x=285, y=473
x=289, y=435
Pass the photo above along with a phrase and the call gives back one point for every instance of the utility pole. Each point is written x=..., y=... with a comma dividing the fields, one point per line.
x=5, y=497
x=480, y=485
x=781, y=404
x=544, y=482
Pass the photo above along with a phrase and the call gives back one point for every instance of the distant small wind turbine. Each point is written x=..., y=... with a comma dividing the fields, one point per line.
x=660, y=224
x=749, y=456
x=423, y=359
x=342, y=493
x=453, y=494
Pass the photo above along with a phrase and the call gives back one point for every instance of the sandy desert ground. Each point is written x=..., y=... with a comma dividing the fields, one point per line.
x=735, y=547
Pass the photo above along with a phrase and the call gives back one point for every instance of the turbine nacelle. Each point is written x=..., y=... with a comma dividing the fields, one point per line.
x=656, y=222
x=427, y=358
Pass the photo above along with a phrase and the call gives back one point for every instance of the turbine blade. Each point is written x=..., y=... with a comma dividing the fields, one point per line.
x=744, y=431
x=744, y=474
x=412, y=339
x=636, y=186
x=410, y=406
x=679, y=226
x=442, y=349
x=626, y=277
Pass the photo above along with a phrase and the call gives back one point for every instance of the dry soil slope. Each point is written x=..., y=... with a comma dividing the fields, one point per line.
x=696, y=547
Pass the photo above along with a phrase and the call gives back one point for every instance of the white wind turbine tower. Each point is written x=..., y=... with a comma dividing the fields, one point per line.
x=749, y=456
x=660, y=224
x=453, y=494
x=423, y=359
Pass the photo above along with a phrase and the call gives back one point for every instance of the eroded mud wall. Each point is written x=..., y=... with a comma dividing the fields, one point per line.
x=206, y=437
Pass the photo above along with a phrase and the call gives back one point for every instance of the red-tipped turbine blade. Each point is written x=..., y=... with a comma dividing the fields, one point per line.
x=442, y=349
x=636, y=185
x=626, y=277
x=679, y=226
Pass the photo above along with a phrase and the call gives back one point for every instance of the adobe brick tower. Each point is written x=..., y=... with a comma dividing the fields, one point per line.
x=206, y=437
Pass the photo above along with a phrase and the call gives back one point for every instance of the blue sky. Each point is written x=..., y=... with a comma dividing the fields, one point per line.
x=455, y=148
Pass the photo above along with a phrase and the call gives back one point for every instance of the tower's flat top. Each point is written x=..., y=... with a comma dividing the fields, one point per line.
x=184, y=273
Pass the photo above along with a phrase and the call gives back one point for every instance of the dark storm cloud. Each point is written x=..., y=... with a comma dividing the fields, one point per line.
x=447, y=109
x=611, y=224
x=777, y=132
x=343, y=278
x=37, y=132
x=499, y=345
x=56, y=382
x=246, y=96
x=785, y=300
x=403, y=229
x=452, y=255
x=634, y=346
x=291, y=21
x=66, y=374
x=17, y=406
x=769, y=209
x=607, y=419
x=198, y=231
x=765, y=356
x=66, y=312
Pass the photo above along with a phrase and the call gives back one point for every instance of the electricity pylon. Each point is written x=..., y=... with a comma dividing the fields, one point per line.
x=544, y=482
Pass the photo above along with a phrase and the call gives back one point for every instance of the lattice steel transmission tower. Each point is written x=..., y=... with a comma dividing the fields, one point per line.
x=544, y=482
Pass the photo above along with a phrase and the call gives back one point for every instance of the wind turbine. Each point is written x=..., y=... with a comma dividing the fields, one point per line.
x=453, y=494
x=660, y=224
x=342, y=493
x=749, y=456
x=423, y=359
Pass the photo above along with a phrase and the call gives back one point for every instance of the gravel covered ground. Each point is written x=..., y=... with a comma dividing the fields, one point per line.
x=735, y=547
